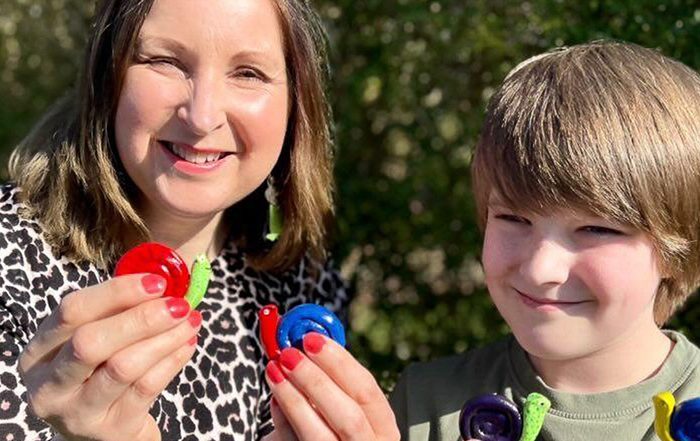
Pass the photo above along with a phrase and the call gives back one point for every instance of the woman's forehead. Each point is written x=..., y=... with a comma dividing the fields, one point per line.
x=222, y=26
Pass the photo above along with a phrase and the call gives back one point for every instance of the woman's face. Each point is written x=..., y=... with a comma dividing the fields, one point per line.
x=203, y=110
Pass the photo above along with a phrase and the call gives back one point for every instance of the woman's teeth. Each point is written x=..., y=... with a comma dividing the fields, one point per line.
x=191, y=156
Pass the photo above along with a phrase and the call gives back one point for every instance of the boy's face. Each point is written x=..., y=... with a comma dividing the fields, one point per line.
x=568, y=283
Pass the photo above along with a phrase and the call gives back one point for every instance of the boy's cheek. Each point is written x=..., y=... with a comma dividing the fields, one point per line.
x=490, y=261
x=500, y=254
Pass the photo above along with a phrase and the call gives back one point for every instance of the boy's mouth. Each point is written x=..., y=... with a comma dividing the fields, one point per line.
x=543, y=303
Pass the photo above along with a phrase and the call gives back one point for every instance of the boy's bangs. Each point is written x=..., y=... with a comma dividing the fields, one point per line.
x=539, y=160
x=611, y=129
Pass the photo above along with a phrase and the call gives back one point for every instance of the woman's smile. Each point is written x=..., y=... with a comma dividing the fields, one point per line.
x=191, y=160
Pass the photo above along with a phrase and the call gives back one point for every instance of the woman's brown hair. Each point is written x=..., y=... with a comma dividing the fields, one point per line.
x=73, y=183
x=610, y=128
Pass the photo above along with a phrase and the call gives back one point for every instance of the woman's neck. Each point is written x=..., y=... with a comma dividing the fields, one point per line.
x=186, y=235
x=627, y=360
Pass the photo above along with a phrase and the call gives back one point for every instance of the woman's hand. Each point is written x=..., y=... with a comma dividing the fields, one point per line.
x=97, y=364
x=326, y=395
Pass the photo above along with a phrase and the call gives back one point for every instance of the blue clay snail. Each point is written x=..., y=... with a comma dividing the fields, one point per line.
x=676, y=422
x=289, y=330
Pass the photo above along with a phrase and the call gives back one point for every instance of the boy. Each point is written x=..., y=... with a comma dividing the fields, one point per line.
x=587, y=181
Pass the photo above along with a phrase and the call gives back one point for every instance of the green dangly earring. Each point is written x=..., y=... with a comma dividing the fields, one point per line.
x=275, y=221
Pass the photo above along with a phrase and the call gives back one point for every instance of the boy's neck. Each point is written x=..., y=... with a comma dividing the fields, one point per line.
x=630, y=359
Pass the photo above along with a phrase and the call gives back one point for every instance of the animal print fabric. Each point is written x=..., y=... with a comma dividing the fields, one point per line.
x=221, y=393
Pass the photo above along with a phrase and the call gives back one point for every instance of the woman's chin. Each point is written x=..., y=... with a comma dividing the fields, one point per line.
x=196, y=208
x=187, y=203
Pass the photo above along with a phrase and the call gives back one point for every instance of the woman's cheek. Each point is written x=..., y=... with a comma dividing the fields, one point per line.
x=150, y=98
x=261, y=113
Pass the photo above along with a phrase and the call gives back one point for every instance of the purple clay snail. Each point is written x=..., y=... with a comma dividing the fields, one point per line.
x=493, y=417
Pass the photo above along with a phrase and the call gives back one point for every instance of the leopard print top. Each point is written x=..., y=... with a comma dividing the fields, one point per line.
x=221, y=394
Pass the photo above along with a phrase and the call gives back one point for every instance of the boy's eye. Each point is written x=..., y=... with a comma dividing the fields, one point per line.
x=595, y=229
x=512, y=218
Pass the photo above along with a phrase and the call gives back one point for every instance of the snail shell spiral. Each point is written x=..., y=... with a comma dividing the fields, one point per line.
x=490, y=418
x=306, y=318
x=685, y=422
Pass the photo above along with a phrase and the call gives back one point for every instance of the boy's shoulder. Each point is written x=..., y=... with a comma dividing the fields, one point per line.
x=444, y=383
x=682, y=367
x=478, y=361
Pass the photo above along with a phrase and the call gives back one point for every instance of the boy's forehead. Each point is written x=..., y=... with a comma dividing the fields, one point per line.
x=497, y=200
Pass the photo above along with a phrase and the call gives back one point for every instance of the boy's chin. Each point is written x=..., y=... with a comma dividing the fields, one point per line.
x=546, y=344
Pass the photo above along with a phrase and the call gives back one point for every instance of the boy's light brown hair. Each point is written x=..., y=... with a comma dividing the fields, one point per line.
x=607, y=127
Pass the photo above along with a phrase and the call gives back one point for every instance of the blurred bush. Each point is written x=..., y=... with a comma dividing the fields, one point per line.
x=410, y=82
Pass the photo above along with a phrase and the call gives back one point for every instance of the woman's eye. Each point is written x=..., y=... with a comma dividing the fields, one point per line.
x=250, y=74
x=595, y=229
x=163, y=62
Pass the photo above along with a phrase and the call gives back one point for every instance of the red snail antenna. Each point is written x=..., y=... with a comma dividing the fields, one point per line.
x=269, y=320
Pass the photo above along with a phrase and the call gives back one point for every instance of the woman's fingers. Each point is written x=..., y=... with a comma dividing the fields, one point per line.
x=113, y=377
x=356, y=381
x=283, y=430
x=343, y=414
x=306, y=422
x=332, y=384
x=94, y=343
x=88, y=305
x=139, y=397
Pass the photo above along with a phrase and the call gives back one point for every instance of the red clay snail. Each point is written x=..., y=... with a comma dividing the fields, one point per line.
x=155, y=258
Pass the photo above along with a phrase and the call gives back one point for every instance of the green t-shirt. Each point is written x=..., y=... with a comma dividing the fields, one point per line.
x=429, y=396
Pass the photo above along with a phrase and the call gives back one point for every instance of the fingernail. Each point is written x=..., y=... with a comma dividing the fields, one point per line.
x=290, y=358
x=195, y=319
x=313, y=342
x=274, y=372
x=178, y=307
x=192, y=341
x=153, y=283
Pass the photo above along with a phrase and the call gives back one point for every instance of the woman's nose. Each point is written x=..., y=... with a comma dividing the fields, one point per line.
x=546, y=262
x=203, y=112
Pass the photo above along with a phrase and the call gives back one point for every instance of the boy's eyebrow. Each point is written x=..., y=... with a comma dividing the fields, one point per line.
x=495, y=199
x=497, y=204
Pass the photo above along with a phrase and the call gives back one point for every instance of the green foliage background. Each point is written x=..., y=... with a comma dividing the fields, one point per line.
x=410, y=82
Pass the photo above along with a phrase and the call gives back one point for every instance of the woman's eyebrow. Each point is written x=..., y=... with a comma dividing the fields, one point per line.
x=260, y=55
x=256, y=54
x=164, y=42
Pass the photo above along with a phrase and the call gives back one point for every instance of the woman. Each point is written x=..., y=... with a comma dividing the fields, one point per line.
x=186, y=114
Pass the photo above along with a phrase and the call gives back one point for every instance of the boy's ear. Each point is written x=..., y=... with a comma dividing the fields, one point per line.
x=665, y=269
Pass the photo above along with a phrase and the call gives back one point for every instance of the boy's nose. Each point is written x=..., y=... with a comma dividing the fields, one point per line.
x=546, y=262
